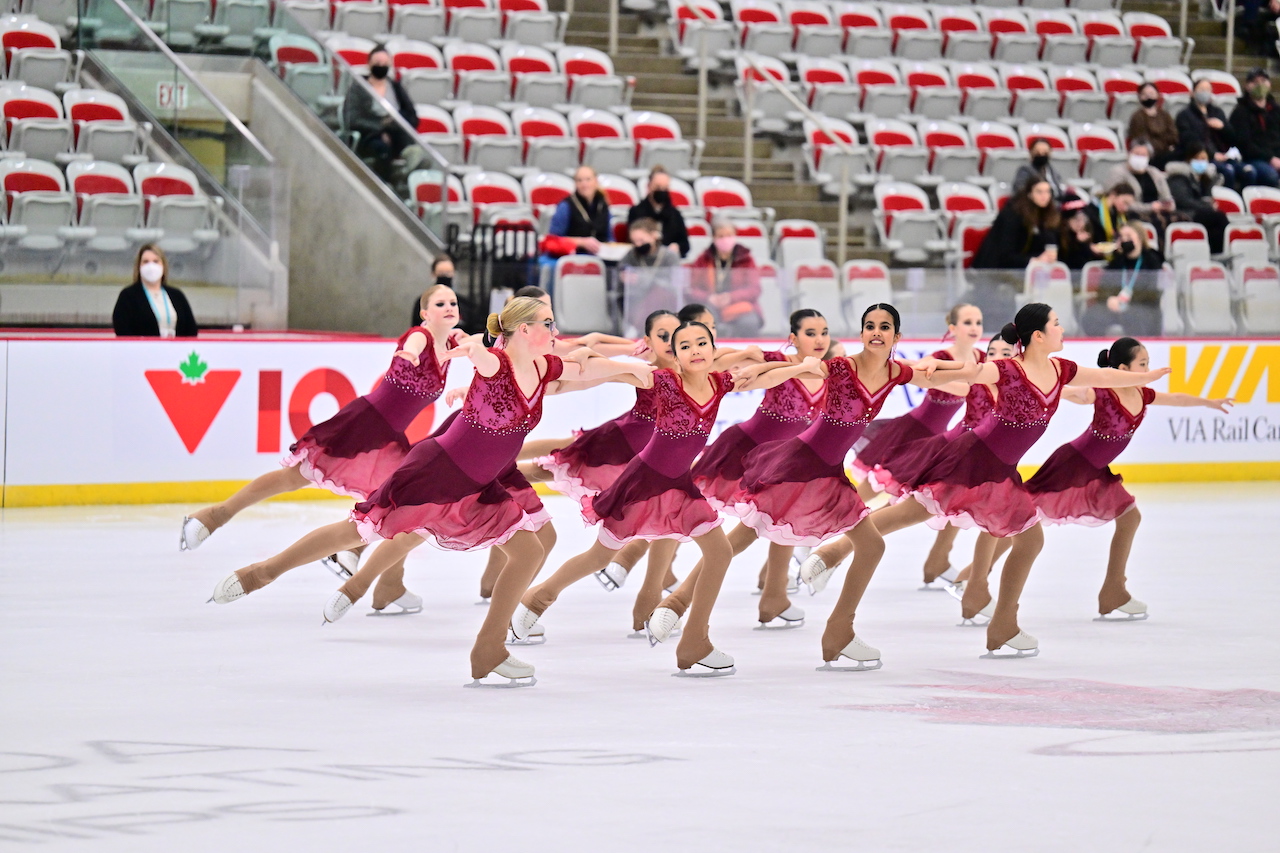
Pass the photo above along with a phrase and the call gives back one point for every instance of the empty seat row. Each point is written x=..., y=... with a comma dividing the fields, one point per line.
x=531, y=23
x=84, y=124
x=103, y=206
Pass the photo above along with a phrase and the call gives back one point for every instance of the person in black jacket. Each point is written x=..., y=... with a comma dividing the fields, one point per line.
x=1191, y=183
x=1129, y=293
x=658, y=207
x=150, y=308
x=1076, y=243
x=1025, y=230
x=1203, y=123
x=382, y=139
x=1255, y=127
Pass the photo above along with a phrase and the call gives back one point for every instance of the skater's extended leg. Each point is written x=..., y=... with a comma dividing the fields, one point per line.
x=321, y=542
x=533, y=472
x=695, y=642
x=542, y=447
x=868, y=547
x=542, y=596
x=1013, y=577
x=269, y=485
x=1114, y=593
x=661, y=553
x=389, y=554
x=524, y=554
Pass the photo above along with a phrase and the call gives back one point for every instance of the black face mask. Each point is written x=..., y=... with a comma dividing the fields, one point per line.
x=379, y=72
x=446, y=280
x=662, y=197
x=1039, y=161
x=643, y=248
x=1127, y=246
x=1148, y=103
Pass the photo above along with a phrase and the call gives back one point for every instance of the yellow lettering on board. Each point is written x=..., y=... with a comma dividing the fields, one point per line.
x=1179, y=381
x=1266, y=359
x=1228, y=372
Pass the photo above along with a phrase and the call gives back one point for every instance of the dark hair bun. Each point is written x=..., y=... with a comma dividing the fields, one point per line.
x=1104, y=358
x=1009, y=334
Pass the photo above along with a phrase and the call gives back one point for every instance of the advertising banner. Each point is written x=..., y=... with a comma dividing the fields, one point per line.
x=104, y=421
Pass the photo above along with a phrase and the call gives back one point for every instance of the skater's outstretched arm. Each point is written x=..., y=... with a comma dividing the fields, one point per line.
x=1081, y=396
x=413, y=348
x=728, y=357
x=1110, y=377
x=1191, y=401
x=773, y=378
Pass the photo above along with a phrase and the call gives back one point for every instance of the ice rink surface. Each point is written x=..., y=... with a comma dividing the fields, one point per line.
x=136, y=717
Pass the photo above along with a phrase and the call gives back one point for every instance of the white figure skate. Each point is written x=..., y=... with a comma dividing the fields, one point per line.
x=517, y=672
x=1023, y=645
x=979, y=619
x=1132, y=610
x=522, y=623
x=228, y=590
x=336, y=607
x=193, y=534
x=792, y=617
x=406, y=605
x=943, y=582
x=612, y=576
x=343, y=564
x=864, y=658
x=659, y=626
x=715, y=665
x=815, y=573
x=537, y=636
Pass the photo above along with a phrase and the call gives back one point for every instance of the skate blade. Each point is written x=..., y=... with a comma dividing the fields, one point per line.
x=757, y=591
x=484, y=602
x=978, y=621
x=857, y=666
x=779, y=624
x=1011, y=654
x=954, y=590
x=937, y=585
x=409, y=611
x=606, y=582
x=531, y=640
x=699, y=671
x=337, y=568
x=1127, y=617
x=504, y=683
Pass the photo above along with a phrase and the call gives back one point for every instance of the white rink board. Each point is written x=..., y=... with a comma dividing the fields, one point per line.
x=85, y=412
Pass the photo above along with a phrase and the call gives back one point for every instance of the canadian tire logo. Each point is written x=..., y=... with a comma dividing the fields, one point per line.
x=192, y=396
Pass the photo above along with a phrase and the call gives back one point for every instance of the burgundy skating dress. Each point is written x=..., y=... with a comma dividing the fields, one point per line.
x=796, y=492
x=912, y=459
x=786, y=411
x=974, y=481
x=596, y=457
x=655, y=498
x=885, y=441
x=1076, y=485
x=354, y=451
x=457, y=488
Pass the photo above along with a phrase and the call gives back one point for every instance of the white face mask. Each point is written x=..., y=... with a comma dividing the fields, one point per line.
x=1138, y=162
x=151, y=272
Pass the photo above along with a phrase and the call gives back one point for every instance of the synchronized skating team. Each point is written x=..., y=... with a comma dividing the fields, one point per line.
x=648, y=481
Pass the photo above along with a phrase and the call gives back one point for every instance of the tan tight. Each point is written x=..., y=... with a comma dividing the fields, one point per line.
x=269, y=485
x=1025, y=548
x=542, y=447
x=868, y=549
x=657, y=577
x=773, y=577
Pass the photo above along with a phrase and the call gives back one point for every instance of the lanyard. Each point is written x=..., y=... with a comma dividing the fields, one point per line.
x=164, y=300
x=1128, y=280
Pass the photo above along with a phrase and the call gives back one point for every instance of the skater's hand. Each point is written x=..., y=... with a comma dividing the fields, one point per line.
x=1158, y=373
x=813, y=364
x=1223, y=405
x=927, y=366
x=408, y=356
x=454, y=396
x=456, y=337
x=581, y=355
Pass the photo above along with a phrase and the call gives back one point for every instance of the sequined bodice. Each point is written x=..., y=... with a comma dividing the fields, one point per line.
x=938, y=407
x=786, y=409
x=850, y=407
x=1112, y=427
x=1022, y=410
x=406, y=389
x=977, y=406
x=637, y=422
x=683, y=425
x=646, y=407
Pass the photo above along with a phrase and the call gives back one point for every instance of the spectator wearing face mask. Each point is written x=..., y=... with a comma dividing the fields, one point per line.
x=382, y=139
x=1077, y=244
x=1128, y=295
x=1154, y=124
x=656, y=205
x=150, y=308
x=442, y=271
x=1204, y=124
x=1255, y=128
x=1192, y=181
x=1039, y=169
x=1151, y=197
x=726, y=280
x=646, y=272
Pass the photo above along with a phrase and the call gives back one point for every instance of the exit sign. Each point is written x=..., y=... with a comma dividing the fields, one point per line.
x=171, y=96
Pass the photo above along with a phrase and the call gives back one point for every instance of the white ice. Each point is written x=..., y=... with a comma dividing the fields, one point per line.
x=136, y=717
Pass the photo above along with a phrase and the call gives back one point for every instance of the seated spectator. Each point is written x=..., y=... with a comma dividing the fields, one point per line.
x=1203, y=123
x=726, y=280
x=1025, y=230
x=1039, y=169
x=1151, y=197
x=647, y=251
x=1077, y=245
x=1255, y=129
x=150, y=308
x=441, y=273
x=382, y=139
x=657, y=206
x=1129, y=294
x=646, y=273
x=1192, y=182
x=1109, y=213
x=579, y=224
x=1154, y=124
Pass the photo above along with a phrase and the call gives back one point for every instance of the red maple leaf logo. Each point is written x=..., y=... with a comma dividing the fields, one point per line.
x=192, y=396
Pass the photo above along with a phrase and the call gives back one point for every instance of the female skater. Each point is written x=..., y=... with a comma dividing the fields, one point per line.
x=973, y=481
x=1076, y=485
x=885, y=441
x=785, y=412
x=796, y=492
x=359, y=447
x=450, y=488
x=655, y=498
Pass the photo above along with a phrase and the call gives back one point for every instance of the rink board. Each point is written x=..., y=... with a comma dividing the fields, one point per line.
x=104, y=421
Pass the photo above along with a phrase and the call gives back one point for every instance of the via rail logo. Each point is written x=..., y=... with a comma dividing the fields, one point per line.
x=192, y=396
